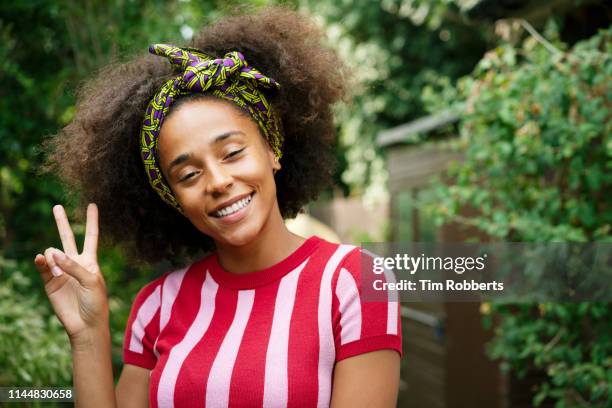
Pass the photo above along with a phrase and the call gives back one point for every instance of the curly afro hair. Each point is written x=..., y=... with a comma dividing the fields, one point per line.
x=97, y=156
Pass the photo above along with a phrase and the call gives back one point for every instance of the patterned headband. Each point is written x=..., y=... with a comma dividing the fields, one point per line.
x=230, y=78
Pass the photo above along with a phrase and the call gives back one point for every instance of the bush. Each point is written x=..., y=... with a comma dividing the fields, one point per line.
x=34, y=348
x=537, y=137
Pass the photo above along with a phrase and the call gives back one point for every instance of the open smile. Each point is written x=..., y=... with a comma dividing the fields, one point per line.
x=235, y=210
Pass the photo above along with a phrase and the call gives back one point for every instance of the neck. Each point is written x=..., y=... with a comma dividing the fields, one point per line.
x=273, y=244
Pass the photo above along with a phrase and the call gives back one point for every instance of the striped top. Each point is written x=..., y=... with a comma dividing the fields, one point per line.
x=267, y=338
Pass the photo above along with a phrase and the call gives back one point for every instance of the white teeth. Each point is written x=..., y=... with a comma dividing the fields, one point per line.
x=230, y=209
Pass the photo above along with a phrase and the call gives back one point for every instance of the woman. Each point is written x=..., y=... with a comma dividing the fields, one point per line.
x=197, y=155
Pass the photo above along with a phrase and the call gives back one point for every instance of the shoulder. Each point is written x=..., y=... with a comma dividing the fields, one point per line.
x=346, y=256
x=169, y=281
x=149, y=290
x=351, y=258
x=337, y=254
x=345, y=266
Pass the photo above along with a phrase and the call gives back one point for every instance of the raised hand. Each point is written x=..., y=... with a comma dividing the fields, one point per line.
x=73, y=282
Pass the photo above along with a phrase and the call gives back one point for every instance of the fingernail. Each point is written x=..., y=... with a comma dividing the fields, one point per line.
x=59, y=256
x=56, y=271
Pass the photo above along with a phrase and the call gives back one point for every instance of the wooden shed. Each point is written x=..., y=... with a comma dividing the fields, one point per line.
x=444, y=343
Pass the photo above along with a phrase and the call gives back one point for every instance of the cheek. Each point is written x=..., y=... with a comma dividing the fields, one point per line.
x=254, y=168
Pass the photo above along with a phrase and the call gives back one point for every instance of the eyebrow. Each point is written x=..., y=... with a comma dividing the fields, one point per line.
x=183, y=157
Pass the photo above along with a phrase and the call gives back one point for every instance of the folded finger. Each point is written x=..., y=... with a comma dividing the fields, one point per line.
x=43, y=269
x=74, y=269
x=51, y=264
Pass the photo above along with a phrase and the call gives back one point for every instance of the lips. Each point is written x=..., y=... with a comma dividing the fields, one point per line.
x=233, y=205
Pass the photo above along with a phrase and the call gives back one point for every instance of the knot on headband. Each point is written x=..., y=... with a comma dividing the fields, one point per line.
x=230, y=78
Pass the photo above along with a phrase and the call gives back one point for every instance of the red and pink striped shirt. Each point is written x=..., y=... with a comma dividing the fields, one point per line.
x=267, y=338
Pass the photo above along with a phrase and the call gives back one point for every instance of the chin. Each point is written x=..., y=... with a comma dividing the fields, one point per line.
x=242, y=236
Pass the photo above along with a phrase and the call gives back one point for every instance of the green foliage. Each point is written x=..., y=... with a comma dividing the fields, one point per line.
x=394, y=48
x=571, y=342
x=537, y=138
x=34, y=349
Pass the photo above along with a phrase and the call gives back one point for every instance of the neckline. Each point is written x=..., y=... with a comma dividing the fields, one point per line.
x=264, y=276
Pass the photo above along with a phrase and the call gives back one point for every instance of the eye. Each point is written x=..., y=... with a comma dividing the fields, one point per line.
x=188, y=176
x=234, y=153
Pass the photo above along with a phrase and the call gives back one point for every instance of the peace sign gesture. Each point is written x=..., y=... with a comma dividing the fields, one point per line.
x=73, y=282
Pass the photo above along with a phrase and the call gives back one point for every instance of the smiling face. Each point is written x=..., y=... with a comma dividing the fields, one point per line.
x=220, y=170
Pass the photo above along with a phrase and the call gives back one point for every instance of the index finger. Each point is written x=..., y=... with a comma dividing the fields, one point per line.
x=65, y=232
x=91, y=230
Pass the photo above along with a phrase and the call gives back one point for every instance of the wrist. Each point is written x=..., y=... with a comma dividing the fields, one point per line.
x=90, y=339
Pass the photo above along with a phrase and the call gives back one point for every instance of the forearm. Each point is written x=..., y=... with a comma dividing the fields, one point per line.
x=92, y=370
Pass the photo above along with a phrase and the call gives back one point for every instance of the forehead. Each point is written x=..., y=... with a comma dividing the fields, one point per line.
x=195, y=124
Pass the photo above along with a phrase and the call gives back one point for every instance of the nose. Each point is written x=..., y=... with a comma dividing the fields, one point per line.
x=218, y=180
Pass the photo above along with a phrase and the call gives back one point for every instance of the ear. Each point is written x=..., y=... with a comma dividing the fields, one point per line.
x=274, y=161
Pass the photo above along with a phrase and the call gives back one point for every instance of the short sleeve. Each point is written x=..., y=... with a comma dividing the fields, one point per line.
x=362, y=325
x=143, y=327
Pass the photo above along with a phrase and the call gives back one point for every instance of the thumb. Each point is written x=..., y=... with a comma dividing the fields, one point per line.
x=74, y=269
